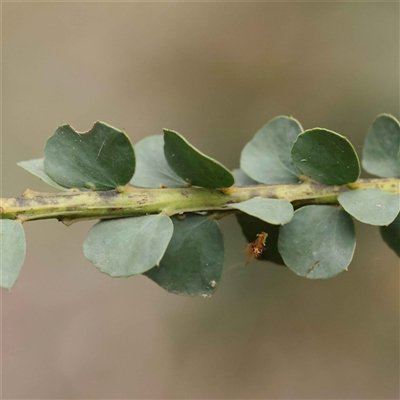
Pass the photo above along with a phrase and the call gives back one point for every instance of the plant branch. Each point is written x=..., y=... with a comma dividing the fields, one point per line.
x=129, y=201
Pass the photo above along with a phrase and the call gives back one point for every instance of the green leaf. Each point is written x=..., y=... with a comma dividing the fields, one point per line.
x=319, y=242
x=192, y=165
x=398, y=159
x=13, y=249
x=128, y=246
x=273, y=211
x=381, y=155
x=252, y=226
x=241, y=179
x=266, y=158
x=326, y=157
x=391, y=235
x=36, y=168
x=100, y=159
x=194, y=260
x=152, y=169
x=371, y=206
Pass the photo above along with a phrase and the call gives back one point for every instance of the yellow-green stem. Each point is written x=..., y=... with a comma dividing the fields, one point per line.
x=130, y=201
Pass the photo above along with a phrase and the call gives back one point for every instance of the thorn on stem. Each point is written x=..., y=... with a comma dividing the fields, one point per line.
x=28, y=194
x=67, y=222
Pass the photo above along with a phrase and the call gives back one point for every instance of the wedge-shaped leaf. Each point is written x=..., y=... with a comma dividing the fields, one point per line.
x=152, y=169
x=371, y=206
x=326, y=157
x=381, y=148
x=194, y=260
x=100, y=159
x=241, y=179
x=36, y=168
x=273, y=211
x=266, y=158
x=128, y=246
x=391, y=235
x=252, y=226
x=12, y=254
x=319, y=242
x=192, y=165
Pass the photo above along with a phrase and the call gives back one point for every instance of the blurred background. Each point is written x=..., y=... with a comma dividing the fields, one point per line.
x=216, y=73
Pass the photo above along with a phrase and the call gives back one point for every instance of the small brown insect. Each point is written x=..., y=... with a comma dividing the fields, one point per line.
x=254, y=249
